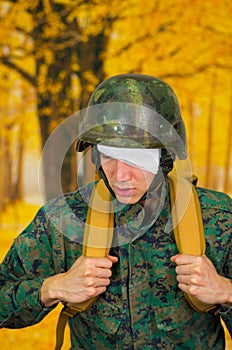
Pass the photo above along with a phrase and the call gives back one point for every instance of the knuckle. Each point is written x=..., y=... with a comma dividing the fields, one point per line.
x=195, y=269
x=88, y=272
x=193, y=290
x=193, y=280
x=89, y=282
x=87, y=261
x=199, y=259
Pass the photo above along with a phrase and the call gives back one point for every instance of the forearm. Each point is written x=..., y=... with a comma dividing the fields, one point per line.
x=20, y=304
x=26, y=265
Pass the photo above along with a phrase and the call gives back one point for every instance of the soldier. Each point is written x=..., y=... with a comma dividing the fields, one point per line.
x=135, y=131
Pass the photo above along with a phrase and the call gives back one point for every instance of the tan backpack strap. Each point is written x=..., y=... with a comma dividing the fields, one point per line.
x=186, y=217
x=98, y=235
x=99, y=225
x=66, y=313
x=188, y=226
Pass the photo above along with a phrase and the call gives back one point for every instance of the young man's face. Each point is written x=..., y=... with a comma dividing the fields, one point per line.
x=127, y=182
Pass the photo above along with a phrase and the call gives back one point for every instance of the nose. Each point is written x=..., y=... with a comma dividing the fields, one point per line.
x=121, y=171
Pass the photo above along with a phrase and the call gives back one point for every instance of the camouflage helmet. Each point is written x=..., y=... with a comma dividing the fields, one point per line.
x=134, y=110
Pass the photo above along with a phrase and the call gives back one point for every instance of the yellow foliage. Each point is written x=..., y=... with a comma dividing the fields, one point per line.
x=42, y=335
x=91, y=79
x=186, y=42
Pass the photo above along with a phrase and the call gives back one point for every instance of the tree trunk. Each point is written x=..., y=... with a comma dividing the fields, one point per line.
x=4, y=178
x=210, y=134
x=18, y=193
x=91, y=60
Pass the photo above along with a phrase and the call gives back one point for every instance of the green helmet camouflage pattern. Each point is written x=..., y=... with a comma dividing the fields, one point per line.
x=134, y=110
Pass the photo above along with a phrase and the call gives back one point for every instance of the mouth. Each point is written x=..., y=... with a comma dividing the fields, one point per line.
x=124, y=191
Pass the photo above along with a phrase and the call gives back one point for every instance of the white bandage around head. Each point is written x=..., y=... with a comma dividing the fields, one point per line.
x=142, y=158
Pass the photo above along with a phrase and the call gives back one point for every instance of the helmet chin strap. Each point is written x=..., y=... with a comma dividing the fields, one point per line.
x=154, y=186
x=103, y=176
x=166, y=165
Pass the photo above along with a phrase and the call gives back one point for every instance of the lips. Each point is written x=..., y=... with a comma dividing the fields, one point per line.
x=124, y=192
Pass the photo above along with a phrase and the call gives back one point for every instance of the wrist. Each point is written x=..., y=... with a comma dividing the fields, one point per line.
x=49, y=296
x=227, y=300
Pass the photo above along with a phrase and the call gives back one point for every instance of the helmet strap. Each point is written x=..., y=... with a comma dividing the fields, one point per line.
x=102, y=175
x=154, y=186
x=166, y=160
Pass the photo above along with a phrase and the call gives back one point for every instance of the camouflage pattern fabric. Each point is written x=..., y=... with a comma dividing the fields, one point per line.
x=134, y=107
x=143, y=307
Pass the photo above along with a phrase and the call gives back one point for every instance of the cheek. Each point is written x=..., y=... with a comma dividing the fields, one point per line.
x=146, y=181
x=149, y=178
x=108, y=170
x=106, y=167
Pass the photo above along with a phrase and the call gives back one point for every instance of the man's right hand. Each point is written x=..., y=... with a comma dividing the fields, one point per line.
x=87, y=278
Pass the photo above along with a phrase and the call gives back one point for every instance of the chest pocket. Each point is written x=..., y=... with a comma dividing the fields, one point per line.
x=172, y=316
x=102, y=316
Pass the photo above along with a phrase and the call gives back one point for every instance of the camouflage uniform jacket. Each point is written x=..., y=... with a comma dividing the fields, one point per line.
x=142, y=307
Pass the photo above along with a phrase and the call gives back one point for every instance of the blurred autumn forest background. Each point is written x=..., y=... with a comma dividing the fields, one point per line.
x=54, y=52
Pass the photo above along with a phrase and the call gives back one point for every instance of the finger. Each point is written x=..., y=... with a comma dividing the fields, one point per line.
x=174, y=257
x=97, y=272
x=184, y=259
x=90, y=264
x=104, y=262
x=94, y=291
x=190, y=269
x=103, y=273
x=182, y=279
x=189, y=288
x=100, y=290
x=183, y=269
x=96, y=282
x=114, y=259
x=188, y=280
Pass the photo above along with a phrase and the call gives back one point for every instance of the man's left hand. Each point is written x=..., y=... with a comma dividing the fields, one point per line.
x=198, y=277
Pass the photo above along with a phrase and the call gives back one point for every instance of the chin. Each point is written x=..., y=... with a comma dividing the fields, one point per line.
x=126, y=200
